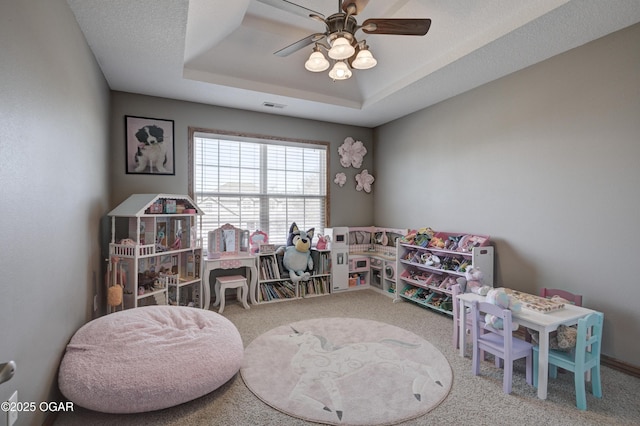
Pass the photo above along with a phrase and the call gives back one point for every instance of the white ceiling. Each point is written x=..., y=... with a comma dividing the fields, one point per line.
x=220, y=52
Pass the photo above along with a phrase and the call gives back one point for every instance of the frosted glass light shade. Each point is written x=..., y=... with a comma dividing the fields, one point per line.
x=341, y=49
x=316, y=62
x=340, y=71
x=364, y=60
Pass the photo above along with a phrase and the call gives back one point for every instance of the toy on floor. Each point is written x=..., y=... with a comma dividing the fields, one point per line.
x=297, y=253
x=563, y=339
x=499, y=297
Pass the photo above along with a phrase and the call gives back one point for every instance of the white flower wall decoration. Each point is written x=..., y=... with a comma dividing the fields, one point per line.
x=364, y=181
x=352, y=153
x=340, y=179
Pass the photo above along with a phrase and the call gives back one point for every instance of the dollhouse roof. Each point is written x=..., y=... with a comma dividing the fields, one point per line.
x=137, y=204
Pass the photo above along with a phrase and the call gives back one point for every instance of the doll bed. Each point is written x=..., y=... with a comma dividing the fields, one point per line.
x=149, y=358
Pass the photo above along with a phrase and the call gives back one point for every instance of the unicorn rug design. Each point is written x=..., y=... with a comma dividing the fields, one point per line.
x=346, y=371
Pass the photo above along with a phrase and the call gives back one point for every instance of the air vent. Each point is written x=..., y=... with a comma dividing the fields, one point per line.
x=273, y=105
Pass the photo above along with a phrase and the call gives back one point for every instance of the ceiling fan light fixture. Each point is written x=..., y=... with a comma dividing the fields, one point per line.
x=339, y=39
x=341, y=48
x=316, y=62
x=340, y=71
x=364, y=59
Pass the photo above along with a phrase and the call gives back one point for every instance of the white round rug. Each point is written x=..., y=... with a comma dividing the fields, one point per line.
x=346, y=371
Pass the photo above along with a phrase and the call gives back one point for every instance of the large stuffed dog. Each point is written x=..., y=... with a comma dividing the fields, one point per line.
x=297, y=253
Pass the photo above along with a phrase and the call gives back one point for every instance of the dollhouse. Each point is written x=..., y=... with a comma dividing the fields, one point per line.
x=154, y=253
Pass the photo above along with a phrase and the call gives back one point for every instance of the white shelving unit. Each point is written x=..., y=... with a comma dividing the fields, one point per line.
x=275, y=286
x=154, y=240
x=430, y=285
x=320, y=282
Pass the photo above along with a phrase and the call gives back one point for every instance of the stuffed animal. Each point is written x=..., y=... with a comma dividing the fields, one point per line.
x=428, y=232
x=297, y=253
x=436, y=242
x=423, y=236
x=323, y=242
x=409, y=238
x=474, y=278
x=429, y=259
x=499, y=297
x=564, y=338
x=447, y=283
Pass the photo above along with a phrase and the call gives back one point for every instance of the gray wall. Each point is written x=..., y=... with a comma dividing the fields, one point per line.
x=54, y=182
x=188, y=114
x=545, y=161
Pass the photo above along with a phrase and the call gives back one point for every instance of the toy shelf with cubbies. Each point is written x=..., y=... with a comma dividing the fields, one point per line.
x=155, y=251
x=429, y=266
x=433, y=299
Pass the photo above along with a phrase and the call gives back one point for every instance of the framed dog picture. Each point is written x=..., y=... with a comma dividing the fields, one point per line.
x=150, y=148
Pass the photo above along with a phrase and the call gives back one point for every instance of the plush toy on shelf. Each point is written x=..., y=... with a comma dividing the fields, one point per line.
x=297, y=253
x=447, y=283
x=436, y=242
x=421, y=237
x=474, y=284
x=323, y=242
x=499, y=297
x=429, y=259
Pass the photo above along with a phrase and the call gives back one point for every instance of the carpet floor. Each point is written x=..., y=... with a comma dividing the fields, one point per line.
x=472, y=400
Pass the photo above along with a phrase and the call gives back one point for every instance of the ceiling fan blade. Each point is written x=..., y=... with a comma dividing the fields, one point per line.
x=417, y=27
x=292, y=48
x=359, y=6
x=291, y=7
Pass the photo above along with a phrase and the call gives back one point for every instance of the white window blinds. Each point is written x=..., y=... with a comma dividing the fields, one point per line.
x=259, y=184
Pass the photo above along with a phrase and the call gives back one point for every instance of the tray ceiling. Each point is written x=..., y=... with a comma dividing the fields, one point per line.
x=220, y=52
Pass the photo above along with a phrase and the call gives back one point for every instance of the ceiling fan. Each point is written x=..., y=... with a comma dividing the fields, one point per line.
x=339, y=38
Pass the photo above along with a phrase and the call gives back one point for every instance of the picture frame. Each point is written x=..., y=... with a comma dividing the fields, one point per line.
x=149, y=146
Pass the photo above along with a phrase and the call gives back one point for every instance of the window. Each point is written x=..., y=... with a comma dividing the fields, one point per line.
x=258, y=183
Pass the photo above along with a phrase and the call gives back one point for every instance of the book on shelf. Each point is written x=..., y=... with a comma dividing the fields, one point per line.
x=315, y=286
x=272, y=271
x=322, y=263
x=269, y=268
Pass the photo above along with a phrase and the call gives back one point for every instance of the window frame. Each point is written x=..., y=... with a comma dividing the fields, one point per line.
x=252, y=137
